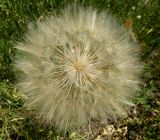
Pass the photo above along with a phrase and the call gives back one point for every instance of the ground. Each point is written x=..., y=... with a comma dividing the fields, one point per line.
x=141, y=17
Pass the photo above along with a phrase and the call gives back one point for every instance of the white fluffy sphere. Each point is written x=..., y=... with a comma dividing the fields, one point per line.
x=76, y=67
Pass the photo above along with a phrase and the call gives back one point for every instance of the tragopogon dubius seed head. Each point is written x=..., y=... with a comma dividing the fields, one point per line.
x=78, y=66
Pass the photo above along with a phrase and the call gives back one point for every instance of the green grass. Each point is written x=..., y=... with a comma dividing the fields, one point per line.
x=143, y=122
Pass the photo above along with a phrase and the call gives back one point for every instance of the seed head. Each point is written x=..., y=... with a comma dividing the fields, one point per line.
x=76, y=67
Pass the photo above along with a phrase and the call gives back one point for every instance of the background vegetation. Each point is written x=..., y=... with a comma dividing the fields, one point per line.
x=143, y=121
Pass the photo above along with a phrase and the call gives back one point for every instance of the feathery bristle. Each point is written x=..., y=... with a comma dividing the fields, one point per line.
x=78, y=66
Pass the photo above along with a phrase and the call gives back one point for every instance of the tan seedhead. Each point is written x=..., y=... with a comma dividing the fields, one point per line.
x=77, y=67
